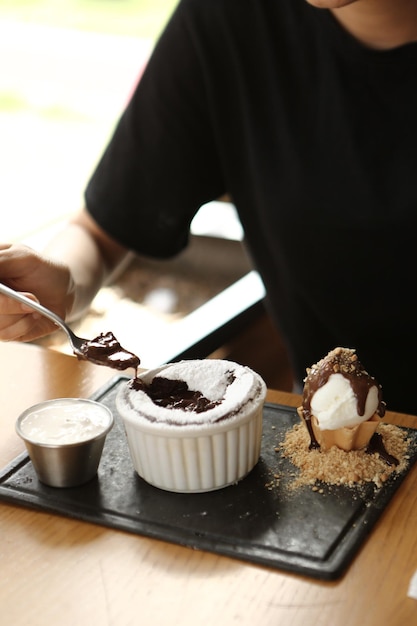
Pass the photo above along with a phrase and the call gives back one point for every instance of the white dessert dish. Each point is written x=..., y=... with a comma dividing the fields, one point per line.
x=185, y=448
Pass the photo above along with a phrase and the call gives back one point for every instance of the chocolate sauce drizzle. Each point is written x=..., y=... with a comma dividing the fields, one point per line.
x=174, y=394
x=106, y=350
x=344, y=361
x=376, y=446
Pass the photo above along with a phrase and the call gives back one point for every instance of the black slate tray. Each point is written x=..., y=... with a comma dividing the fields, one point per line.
x=315, y=534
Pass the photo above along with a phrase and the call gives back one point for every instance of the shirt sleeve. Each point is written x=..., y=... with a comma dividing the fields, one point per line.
x=162, y=162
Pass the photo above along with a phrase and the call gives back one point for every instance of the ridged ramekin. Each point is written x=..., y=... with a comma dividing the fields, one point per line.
x=195, y=457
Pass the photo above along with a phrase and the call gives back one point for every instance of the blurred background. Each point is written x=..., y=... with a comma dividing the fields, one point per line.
x=67, y=70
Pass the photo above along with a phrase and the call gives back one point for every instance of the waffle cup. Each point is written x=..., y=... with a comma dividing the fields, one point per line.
x=346, y=438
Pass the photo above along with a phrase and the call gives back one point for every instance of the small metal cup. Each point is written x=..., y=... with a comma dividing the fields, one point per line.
x=60, y=464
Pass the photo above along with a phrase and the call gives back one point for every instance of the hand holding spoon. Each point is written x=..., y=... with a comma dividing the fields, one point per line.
x=103, y=350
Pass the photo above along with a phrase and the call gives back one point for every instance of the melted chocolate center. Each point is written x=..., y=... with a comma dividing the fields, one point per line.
x=106, y=350
x=174, y=394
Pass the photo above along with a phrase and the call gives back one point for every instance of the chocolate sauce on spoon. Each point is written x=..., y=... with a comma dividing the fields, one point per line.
x=106, y=350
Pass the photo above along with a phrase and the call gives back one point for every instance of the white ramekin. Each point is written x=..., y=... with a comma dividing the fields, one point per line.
x=195, y=458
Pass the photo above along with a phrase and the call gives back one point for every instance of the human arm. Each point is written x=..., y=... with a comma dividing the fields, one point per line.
x=160, y=166
x=64, y=278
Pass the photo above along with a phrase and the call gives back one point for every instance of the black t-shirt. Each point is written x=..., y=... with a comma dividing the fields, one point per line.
x=315, y=138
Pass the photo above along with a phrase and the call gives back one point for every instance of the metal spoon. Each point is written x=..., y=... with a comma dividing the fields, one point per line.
x=103, y=350
x=76, y=342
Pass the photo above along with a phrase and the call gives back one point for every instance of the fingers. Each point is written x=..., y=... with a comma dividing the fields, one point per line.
x=25, y=327
x=14, y=327
x=10, y=306
x=19, y=322
x=26, y=271
x=15, y=332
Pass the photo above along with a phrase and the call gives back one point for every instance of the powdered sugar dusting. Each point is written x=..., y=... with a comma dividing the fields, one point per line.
x=233, y=386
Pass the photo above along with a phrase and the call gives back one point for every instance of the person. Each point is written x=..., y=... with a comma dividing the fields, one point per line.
x=304, y=112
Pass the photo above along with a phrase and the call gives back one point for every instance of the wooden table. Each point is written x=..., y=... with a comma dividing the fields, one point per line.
x=59, y=571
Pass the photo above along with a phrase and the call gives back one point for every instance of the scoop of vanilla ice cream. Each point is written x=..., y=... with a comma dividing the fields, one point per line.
x=335, y=404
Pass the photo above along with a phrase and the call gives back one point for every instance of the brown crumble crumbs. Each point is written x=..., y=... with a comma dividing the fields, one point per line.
x=337, y=467
x=274, y=482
